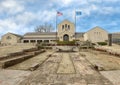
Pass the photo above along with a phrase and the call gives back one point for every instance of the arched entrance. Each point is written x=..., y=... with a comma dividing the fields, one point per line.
x=66, y=37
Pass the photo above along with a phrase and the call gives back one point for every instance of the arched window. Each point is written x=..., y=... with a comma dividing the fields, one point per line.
x=65, y=25
x=69, y=27
x=62, y=27
x=66, y=37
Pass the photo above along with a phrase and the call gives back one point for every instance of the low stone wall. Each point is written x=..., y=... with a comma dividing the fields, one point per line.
x=11, y=55
x=65, y=48
x=30, y=50
x=4, y=57
x=111, y=51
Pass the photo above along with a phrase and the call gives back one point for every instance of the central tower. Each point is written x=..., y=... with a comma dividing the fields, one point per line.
x=66, y=31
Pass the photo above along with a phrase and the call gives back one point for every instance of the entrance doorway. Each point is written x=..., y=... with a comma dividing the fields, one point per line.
x=66, y=37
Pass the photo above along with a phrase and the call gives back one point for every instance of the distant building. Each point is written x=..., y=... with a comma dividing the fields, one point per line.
x=11, y=38
x=96, y=34
x=38, y=37
x=79, y=36
x=65, y=32
x=116, y=37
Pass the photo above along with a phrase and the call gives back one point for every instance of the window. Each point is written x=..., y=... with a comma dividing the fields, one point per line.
x=39, y=41
x=65, y=25
x=68, y=26
x=26, y=41
x=62, y=27
x=8, y=37
x=46, y=41
x=32, y=41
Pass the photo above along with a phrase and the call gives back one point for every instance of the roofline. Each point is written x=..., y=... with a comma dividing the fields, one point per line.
x=40, y=33
x=79, y=32
x=95, y=28
x=65, y=20
x=13, y=34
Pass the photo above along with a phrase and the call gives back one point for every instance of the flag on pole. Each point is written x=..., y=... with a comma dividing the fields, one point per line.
x=78, y=13
x=59, y=14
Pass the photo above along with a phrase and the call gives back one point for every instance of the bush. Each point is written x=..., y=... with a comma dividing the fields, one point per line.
x=102, y=43
x=66, y=42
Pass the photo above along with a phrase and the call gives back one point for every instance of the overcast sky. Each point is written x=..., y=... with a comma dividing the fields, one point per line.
x=21, y=16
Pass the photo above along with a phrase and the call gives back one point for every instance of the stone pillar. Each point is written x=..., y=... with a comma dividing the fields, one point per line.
x=35, y=41
x=109, y=39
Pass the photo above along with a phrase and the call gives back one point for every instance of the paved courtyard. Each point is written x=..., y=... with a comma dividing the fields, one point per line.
x=66, y=69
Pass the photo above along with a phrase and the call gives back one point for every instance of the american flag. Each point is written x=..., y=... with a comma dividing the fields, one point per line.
x=59, y=14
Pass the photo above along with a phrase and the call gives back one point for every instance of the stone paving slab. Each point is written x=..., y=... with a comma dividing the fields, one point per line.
x=113, y=76
x=66, y=65
x=12, y=77
x=102, y=59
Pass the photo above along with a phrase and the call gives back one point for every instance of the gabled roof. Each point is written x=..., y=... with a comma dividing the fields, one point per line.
x=14, y=34
x=39, y=37
x=40, y=33
x=97, y=27
x=66, y=20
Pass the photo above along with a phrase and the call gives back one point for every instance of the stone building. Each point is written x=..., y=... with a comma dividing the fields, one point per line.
x=96, y=34
x=66, y=32
x=116, y=37
x=11, y=38
x=38, y=37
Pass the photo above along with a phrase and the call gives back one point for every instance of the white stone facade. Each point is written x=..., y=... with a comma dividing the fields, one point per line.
x=66, y=31
x=96, y=35
x=10, y=38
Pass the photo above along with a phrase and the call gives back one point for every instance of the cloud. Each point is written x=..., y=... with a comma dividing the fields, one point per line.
x=26, y=21
x=28, y=17
x=27, y=14
x=8, y=25
x=11, y=6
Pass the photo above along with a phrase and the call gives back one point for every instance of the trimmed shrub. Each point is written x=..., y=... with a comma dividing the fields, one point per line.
x=102, y=43
x=65, y=42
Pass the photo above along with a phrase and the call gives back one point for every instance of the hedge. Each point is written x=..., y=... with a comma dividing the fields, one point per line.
x=102, y=43
x=66, y=42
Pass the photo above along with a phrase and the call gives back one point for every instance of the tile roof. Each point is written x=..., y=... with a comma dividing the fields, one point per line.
x=40, y=33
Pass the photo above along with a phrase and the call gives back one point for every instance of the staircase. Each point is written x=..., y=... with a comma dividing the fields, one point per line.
x=17, y=57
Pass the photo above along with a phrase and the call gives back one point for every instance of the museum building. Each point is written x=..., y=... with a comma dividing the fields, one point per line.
x=65, y=32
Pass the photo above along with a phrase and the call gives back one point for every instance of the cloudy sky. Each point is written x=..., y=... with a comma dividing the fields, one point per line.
x=21, y=16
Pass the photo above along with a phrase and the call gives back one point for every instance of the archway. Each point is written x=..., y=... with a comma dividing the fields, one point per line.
x=66, y=37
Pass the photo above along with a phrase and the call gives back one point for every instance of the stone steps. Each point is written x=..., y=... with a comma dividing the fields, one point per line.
x=17, y=53
x=15, y=58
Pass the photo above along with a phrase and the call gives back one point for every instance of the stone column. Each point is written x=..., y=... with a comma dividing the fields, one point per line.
x=110, y=39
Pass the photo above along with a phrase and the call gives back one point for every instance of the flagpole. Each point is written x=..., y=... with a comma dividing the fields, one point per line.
x=75, y=23
x=56, y=25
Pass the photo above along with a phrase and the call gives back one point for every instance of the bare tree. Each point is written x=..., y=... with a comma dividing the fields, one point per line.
x=44, y=28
